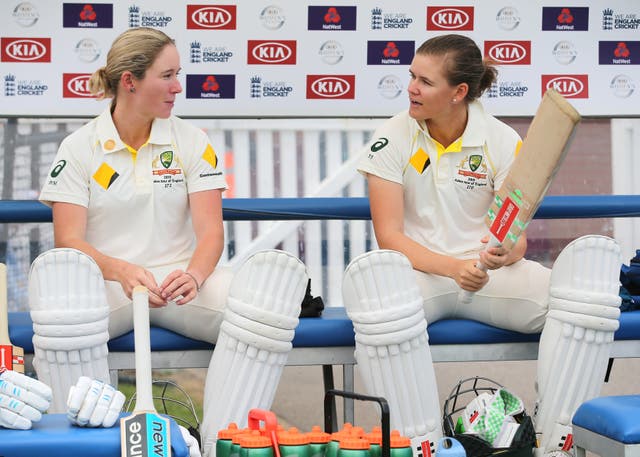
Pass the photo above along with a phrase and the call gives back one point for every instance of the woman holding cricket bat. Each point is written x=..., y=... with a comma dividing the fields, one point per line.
x=137, y=200
x=432, y=172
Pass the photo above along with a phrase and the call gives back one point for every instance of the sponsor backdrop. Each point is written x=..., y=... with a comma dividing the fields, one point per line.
x=315, y=58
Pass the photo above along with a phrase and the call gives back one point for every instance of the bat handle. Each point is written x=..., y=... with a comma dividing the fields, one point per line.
x=4, y=317
x=141, y=333
x=465, y=296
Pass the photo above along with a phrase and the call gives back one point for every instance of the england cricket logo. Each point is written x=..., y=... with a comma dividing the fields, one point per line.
x=166, y=158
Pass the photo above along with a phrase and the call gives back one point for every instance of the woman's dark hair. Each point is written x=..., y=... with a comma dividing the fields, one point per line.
x=463, y=62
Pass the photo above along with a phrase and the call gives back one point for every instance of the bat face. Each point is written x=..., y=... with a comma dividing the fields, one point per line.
x=12, y=358
x=145, y=434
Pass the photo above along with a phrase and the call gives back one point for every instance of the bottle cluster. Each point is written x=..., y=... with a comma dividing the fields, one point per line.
x=350, y=441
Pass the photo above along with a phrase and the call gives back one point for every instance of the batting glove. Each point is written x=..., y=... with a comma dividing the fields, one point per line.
x=92, y=403
x=22, y=400
x=192, y=442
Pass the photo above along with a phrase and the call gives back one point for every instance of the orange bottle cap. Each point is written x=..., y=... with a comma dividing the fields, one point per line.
x=337, y=436
x=354, y=443
x=293, y=439
x=316, y=435
x=374, y=437
x=400, y=441
x=254, y=441
x=357, y=432
x=227, y=433
x=246, y=432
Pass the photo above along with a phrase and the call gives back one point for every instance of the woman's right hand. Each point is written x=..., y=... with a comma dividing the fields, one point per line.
x=131, y=275
x=469, y=277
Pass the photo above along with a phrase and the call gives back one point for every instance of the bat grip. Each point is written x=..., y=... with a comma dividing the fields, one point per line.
x=4, y=317
x=141, y=333
x=465, y=296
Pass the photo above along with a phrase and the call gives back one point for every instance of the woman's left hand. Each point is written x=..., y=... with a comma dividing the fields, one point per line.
x=179, y=283
x=494, y=257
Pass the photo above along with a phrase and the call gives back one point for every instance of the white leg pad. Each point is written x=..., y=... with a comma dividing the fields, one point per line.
x=254, y=341
x=70, y=321
x=576, y=341
x=392, y=348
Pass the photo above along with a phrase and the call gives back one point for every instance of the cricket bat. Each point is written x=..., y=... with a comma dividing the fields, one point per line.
x=11, y=357
x=144, y=433
x=541, y=154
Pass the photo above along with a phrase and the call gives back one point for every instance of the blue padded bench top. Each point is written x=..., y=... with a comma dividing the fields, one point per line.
x=333, y=328
x=616, y=417
x=54, y=436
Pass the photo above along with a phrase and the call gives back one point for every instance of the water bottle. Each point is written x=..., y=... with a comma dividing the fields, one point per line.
x=223, y=444
x=255, y=445
x=234, y=450
x=400, y=445
x=450, y=447
x=353, y=447
x=318, y=441
x=292, y=443
x=334, y=444
x=375, y=441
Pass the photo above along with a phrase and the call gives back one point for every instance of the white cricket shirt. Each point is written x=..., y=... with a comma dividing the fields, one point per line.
x=137, y=202
x=447, y=192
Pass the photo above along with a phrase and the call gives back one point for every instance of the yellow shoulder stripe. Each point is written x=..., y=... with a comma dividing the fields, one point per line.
x=209, y=156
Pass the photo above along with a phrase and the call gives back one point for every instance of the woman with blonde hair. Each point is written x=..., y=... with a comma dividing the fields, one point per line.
x=137, y=195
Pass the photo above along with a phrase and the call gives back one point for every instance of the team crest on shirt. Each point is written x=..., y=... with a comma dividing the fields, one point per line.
x=166, y=158
x=163, y=173
x=472, y=172
x=474, y=161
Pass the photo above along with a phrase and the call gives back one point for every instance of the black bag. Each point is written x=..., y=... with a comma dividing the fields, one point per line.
x=311, y=306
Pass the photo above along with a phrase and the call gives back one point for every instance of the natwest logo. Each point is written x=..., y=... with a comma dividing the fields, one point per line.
x=569, y=86
x=222, y=17
x=509, y=52
x=331, y=86
x=76, y=85
x=281, y=52
x=25, y=49
x=449, y=17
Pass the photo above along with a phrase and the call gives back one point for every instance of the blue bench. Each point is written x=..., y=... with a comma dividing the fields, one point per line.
x=608, y=426
x=329, y=340
x=54, y=436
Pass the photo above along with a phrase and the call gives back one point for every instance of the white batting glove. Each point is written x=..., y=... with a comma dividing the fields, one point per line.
x=192, y=442
x=92, y=403
x=22, y=400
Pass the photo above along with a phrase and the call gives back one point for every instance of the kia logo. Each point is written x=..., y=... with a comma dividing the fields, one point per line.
x=26, y=50
x=566, y=85
x=271, y=52
x=450, y=18
x=211, y=17
x=79, y=85
x=330, y=87
x=507, y=52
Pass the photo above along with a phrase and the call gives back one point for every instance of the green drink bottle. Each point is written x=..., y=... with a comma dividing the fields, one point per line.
x=255, y=445
x=375, y=441
x=353, y=447
x=293, y=444
x=223, y=444
x=334, y=444
x=400, y=445
x=318, y=441
x=234, y=450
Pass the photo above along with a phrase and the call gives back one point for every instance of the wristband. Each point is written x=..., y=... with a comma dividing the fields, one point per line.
x=194, y=280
